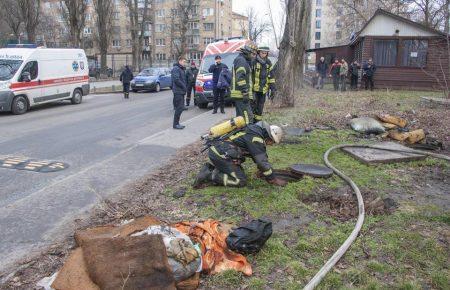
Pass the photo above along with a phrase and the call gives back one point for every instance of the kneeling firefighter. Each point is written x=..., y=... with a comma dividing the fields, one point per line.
x=226, y=156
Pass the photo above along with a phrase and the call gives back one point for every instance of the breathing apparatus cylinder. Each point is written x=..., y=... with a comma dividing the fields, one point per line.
x=227, y=127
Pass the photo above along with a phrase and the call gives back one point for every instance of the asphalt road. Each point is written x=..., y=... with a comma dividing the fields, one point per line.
x=107, y=142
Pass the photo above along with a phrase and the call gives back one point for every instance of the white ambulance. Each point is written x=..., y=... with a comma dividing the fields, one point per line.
x=35, y=75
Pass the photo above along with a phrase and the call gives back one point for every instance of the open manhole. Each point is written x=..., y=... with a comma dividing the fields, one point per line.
x=312, y=170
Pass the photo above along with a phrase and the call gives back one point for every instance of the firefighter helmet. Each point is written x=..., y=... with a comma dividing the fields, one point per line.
x=249, y=48
x=263, y=48
x=275, y=132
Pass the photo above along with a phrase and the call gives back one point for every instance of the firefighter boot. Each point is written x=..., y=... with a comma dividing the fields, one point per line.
x=204, y=176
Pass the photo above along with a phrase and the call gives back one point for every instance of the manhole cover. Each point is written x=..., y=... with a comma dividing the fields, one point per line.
x=293, y=131
x=312, y=170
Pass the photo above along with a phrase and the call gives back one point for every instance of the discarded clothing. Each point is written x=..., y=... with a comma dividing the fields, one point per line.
x=367, y=125
x=251, y=237
x=184, y=257
x=410, y=137
x=393, y=120
x=216, y=257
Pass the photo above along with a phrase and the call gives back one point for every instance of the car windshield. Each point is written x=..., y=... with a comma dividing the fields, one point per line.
x=8, y=68
x=149, y=72
x=207, y=61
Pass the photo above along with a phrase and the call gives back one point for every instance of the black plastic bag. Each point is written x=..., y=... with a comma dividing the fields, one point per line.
x=250, y=238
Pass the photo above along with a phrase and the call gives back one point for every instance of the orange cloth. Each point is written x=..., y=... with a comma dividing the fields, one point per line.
x=216, y=257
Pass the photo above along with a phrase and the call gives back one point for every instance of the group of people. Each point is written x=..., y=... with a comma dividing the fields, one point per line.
x=249, y=83
x=252, y=80
x=339, y=71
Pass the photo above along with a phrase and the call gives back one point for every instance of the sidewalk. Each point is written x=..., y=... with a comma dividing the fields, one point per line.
x=105, y=86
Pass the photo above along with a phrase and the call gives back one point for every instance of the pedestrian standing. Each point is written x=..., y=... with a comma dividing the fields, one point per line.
x=179, y=87
x=369, y=70
x=241, y=84
x=125, y=77
x=335, y=72
x=343, y=75
x=219, y=94
x=191, y=76
x=263, y=79
x=321, y=72
x=354, y=73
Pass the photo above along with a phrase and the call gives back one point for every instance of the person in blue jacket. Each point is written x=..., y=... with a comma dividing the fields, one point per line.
x=219, y=94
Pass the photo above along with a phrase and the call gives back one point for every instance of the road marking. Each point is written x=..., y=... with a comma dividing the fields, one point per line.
x=24, y=163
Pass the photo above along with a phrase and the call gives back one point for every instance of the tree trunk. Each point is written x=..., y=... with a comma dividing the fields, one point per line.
x=292, y=51
x=447, y=16
x=30, y=12
x=104, y=10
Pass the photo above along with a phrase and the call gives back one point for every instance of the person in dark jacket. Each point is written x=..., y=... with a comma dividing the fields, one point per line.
x=219, y=94
x=179, y=87
x=191, y=76
x=125, y=77
x=241, y=83
x=335, y=73
x=354, y=73
x=226, y=156
x=369, y=71
x=263, y=80
x=321, y=72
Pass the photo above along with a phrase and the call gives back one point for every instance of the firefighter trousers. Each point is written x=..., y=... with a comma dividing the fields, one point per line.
x=226, y=172
x=244, y=109
x=258, y=105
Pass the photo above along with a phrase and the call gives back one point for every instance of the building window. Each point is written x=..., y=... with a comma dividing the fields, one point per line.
x=116, y=43
x=318, y=24
x=193, y=25
x=318, y=35
x=338, y=35
x=194, y=10
x=415, y=53
x=208, y=40
x=193, y=40
x=116, y=15
x=88, y=17
x=160, y=42
x=161, y=56
x=318, y=2
x=208, y=26
x=338, y=23
x=317, y=45
x=340, y=11
x=385, y=52
x=208, y=12
x=160, y=13
x=160, y=27
x=128, y=42
x=318, y=12
x=195, y=55
x=87, y=31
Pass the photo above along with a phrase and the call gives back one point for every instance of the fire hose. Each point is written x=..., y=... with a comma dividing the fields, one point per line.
x=354, y=234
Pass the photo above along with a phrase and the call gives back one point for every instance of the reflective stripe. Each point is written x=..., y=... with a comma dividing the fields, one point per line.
x=241, y=69
x=258, y=139
x=217, y=152
x=236, y=180
x=247, y=121
x=258, y=117
x=256, y=77
x=268, y=172
x=241, y=83
x=237, y=135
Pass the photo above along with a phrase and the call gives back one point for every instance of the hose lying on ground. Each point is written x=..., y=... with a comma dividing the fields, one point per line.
x=352, y=237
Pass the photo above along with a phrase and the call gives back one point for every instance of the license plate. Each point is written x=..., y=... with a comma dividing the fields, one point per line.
x=139, y=85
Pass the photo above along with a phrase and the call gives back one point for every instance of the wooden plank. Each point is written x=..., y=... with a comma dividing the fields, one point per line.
x=371, y=156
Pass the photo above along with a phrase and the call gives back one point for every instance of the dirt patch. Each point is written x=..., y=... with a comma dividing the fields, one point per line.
x=343, y=204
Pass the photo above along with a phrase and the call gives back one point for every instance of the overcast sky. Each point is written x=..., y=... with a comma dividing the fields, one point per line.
x=262, y=9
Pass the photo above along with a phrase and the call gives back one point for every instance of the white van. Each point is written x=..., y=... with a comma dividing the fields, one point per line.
x=32, y=76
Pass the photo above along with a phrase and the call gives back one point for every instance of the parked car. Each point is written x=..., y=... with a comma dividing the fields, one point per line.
x=95, y=72
x=152, y=79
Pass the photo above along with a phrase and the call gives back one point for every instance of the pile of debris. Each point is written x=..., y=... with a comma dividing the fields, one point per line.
x=147, y=254
x=396, y=128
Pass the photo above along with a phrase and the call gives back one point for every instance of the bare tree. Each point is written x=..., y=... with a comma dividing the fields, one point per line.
x=276, y=29
x=30, y=11
x=74, y=12
x=431, y=13
x=181, y=15
x=447, y=16
x=51, y=30
x=104, y=13
x=292, y=50
x=256, y=26
x=10, y=14
x=139, y=19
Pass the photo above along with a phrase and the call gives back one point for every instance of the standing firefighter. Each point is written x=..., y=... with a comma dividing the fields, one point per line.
x=263, y=80
x=226, y=156
x=125, y=77
x=241, y=83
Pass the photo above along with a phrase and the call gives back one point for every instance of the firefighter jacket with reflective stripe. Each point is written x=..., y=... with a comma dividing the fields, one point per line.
x=241, y=78
x=251, y=141
x=262, y=74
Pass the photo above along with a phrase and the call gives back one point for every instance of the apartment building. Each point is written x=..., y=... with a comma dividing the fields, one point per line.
x=326, y=24
x=208, y=20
